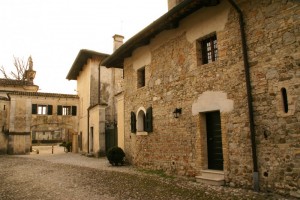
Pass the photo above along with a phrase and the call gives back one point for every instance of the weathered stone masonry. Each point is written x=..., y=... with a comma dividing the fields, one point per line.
x=175, y=77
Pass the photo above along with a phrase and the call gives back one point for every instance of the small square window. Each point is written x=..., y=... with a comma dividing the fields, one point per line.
x=209, y=49
x=141, y=76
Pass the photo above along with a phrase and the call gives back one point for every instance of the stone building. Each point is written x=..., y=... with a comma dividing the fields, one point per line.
x=211, y=90
x=26, y=114
x=96, y=88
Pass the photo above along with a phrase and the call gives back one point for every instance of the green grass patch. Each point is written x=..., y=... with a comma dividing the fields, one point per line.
x=160, y=173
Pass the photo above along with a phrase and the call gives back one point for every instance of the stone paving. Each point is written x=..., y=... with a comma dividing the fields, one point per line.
x=73, y=176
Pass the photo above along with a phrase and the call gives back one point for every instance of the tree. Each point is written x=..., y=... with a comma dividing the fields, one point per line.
x=20, y=68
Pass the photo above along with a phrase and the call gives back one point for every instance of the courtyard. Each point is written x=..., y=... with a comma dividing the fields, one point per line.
x=73, y=176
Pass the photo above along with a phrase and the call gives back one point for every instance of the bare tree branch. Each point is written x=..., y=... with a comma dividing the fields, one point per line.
x=2, y=70
x=20, y=69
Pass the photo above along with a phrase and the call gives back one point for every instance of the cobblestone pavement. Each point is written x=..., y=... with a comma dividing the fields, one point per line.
x=69, y=176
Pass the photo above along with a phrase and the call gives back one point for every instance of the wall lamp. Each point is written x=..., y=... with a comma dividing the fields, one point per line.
x=177, y=112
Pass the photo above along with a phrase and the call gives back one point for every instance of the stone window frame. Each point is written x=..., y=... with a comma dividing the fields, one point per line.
x=141, y=120
x=141, y=77
x=202, y=56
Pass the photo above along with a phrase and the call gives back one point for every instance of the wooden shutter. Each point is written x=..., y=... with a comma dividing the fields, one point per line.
x=148, y=121
x=59, y=110
x=133, y=122
x=74, y=110
x=49, y=109
x=34, y=109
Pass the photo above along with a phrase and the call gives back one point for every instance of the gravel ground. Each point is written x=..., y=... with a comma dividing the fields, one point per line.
x=72, y=176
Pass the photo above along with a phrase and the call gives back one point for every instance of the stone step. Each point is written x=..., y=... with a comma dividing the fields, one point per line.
x=210, y=181
x=212, y=173
x=211, y=177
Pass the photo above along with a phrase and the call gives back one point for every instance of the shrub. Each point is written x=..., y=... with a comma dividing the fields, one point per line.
x=67, y=145
x=115, y=156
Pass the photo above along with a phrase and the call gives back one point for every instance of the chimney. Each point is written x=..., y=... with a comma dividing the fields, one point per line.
x=118, y=41
x=173, y=3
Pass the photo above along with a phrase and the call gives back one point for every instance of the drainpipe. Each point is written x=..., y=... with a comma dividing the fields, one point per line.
x=249, y=93
x=88, y=130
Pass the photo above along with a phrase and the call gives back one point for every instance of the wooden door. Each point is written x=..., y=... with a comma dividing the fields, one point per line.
x=214, y=140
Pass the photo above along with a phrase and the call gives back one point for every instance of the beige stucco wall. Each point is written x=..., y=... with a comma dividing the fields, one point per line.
x=4, y=110
x=100, y=110
x=120, y=120
x=83, y=85
x=23, y=122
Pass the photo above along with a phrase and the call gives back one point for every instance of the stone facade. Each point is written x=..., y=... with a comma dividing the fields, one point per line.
x=96, y=90
x=27, y=115
x=20, y=124
x=176, y=78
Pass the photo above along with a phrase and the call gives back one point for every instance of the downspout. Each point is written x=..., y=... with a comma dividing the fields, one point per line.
x=249, y=93
x=88, y=130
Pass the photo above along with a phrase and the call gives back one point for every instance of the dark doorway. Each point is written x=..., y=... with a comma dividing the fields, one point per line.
x=214, y=140
x=111, y=136
x=80, y=141
x=92, y=139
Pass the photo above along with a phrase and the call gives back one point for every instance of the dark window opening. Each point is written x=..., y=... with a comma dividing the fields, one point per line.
x=285, y=100
x=209, y=48
x=141, y=77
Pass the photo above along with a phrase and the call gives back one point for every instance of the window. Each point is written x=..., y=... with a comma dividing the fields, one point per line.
x=285, y=100
x=142, y=123
x=209, y=49
x=67, y=110
x=141, y=76
x=41, y=109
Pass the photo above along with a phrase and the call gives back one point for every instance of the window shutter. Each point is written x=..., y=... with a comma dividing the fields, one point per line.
x=34, y=109
x=49, y=109
x=74, y=110
x=59, y=110
x=133, y=122
x=148, y=122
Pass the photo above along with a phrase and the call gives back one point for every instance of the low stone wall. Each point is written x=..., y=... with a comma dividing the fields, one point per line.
x=19, y=143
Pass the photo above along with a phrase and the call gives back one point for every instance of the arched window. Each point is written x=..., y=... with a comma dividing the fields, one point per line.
x=143, y=122
x=141, y=116
x=284, y=100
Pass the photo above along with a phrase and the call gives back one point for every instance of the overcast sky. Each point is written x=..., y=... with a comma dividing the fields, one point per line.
x=53, y=32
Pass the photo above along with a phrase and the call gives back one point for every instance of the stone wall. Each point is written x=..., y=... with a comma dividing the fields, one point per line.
x=4, y=109
x=176, y=79
x=273, y=37
x=22, y=122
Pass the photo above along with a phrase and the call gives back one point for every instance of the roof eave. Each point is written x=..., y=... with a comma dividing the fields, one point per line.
x=81, y=60
x=168, y=21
